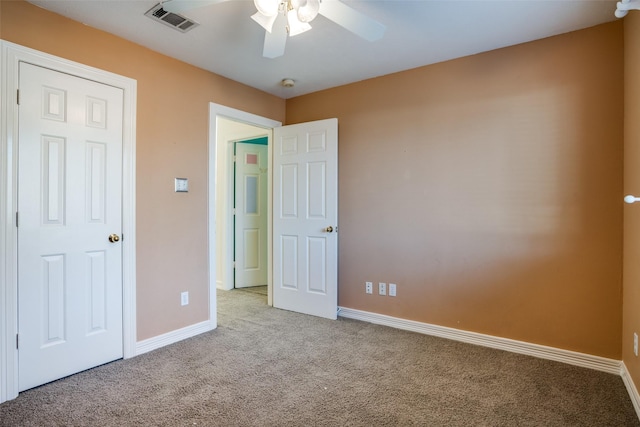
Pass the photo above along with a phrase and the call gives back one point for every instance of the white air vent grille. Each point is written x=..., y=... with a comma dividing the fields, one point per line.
x=178, y=22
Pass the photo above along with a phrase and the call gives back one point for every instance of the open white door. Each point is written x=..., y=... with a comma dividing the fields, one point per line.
x=305, y=218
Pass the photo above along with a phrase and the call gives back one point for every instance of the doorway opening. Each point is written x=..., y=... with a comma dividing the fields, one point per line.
x=227, y=127
x=302, y=245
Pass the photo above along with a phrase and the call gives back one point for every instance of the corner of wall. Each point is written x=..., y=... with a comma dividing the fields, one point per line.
x=631, y=251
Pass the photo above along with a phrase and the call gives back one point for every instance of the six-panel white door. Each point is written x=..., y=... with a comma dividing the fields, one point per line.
x=251, y=215
x=305, y=219
x=69, y=203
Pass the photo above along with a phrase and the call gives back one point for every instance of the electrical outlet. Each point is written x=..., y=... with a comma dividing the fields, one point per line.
x=368, y=286
x=392, y=289
x=635, y=343
x=382, y=288
x=184, y=298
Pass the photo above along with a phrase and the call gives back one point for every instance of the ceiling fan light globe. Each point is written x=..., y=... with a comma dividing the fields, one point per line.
x=267, y=7
x=295, y=26
x=297, y=4
x=309, y=10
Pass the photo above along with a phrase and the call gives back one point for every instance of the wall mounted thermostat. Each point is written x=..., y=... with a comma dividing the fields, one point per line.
x=182, y=185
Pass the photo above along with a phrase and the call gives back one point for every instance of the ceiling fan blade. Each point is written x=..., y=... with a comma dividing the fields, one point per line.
x=354, y=21
x=276, y=40
x=177, y=6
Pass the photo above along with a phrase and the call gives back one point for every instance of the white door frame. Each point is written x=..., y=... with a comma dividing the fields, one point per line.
x=11, y=55
x=215, y=111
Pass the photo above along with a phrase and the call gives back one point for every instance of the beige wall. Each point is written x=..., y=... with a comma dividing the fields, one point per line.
x=172, y=137
x=631, y=311
x=489, y=189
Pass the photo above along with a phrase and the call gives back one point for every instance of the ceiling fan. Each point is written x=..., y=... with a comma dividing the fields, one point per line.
x=288, y=18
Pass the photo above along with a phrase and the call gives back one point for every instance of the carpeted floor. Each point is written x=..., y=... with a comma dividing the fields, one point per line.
x=268, y=367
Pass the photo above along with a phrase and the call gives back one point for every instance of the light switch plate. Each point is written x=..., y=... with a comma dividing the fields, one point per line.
x=182, y=185
x=184, y=298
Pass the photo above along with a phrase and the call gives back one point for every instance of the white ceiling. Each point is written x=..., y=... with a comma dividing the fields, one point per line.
x=419, y=32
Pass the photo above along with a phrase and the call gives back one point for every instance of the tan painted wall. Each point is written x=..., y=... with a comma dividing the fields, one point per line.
x=489, y=189
x=172, y=137
x=631, y=310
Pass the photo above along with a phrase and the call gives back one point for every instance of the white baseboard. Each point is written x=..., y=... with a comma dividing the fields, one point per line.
x=631, y=388
x=154, y=343
x=221, y=285
x=571, y=357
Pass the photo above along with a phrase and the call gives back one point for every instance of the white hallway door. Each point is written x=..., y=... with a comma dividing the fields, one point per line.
x=70, y=221
x=305, y=218
x=251, y=214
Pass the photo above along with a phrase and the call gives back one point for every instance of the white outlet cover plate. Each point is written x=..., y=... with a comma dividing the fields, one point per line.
x=369, y=287
x=382, y=288
x=182, y=185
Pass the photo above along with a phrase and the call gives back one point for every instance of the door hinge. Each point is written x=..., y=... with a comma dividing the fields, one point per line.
x=17, y=346
x=16, y=219
x=18, y=96
x=234, y=265
x=234, y=158
x=234, y=211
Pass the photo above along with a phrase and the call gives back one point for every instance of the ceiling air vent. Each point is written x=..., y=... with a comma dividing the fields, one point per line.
x=178, y=22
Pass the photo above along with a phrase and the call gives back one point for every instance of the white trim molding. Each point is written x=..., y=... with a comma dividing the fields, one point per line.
x=570, y=357
x=631, y=387
x=11, y=56
x=173, y=337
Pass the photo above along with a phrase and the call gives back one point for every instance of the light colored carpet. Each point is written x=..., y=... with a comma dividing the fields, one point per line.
x=269, y=367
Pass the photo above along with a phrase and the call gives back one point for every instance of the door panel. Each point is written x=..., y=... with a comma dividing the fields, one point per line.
x=69, y=202
x=305, y=220
x=251, y=214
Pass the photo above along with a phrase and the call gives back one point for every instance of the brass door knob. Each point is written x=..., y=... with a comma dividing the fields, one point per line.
x=329, y=229
x=113, y=238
